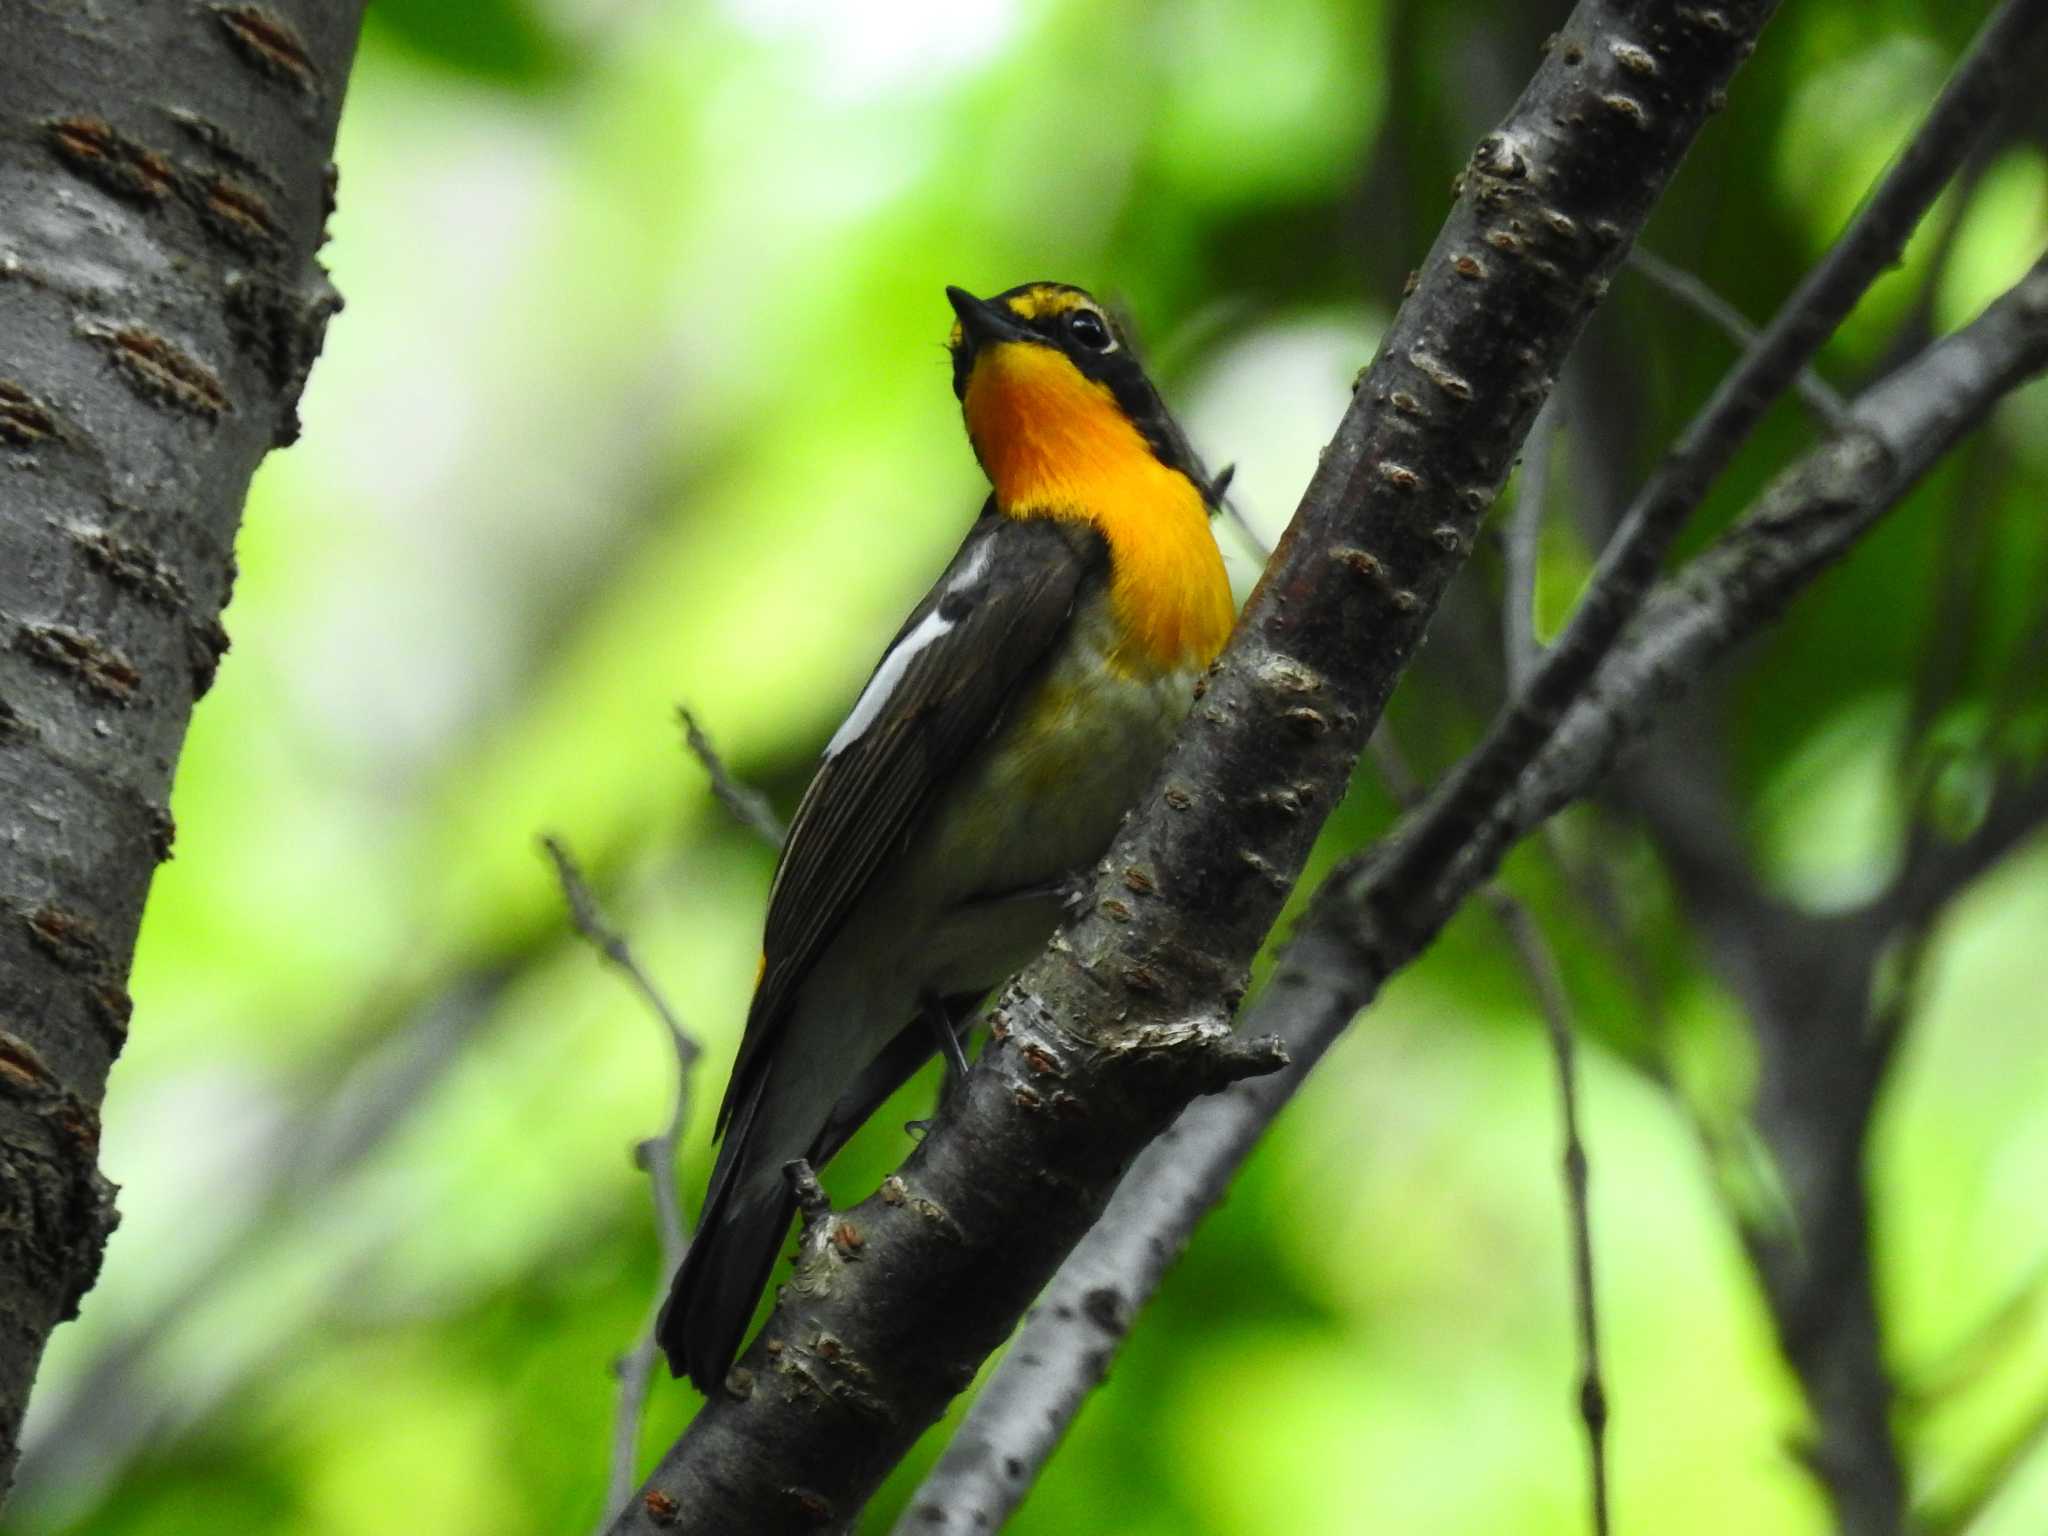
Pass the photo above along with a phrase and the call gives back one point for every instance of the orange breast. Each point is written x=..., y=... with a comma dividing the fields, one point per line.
x=1055, y=444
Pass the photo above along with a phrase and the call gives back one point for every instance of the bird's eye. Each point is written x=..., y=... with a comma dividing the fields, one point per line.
x=1088, y=328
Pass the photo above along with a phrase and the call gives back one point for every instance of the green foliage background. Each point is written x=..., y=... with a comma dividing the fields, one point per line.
x=638, y=398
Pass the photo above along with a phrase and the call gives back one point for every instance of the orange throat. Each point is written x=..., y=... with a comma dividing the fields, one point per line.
x=1055, y=444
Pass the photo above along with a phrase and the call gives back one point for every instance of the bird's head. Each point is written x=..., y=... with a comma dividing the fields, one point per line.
x=1052, y=391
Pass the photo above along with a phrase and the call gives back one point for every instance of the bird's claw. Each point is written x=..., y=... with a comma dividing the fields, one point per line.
x=1073, y=893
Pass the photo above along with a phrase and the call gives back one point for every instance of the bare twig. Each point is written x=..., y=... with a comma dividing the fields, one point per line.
x=1629, y=564
x=1539, y=965
x=1808, y=518
x=1816, y=393
x=1524, y=548
x=1219, y=490
x=749, y=807
x=656, y=1157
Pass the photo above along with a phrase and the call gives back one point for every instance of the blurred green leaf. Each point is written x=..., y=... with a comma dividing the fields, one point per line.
x=502, y=42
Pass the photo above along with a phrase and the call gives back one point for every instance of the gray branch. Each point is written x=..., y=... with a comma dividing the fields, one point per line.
x=1105, y=1039
x=744, y=803
x=1539, y=965
x=1819, y=396
x=1810, y=517
x=1984, y=79
x=164, y=183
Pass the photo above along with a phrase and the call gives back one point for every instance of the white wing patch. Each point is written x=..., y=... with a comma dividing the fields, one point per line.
x=875, y=697
x=977, y=562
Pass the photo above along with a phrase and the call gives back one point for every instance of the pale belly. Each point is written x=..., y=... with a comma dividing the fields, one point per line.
x=980, y=888
x=1045, y=797
x=974, y=896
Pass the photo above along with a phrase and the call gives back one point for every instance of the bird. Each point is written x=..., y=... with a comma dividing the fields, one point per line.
x=1024, y=706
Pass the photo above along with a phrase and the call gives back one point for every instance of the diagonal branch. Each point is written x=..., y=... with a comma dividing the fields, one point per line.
x=1629, y=563
x=1103, y=1040
x=744, y=803
x=1807, y=519
x=1815, y=393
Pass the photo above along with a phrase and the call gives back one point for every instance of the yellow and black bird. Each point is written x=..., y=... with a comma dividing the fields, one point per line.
x=1023, y=707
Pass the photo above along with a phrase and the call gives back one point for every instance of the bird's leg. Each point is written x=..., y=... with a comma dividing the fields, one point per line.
x=945, y=1017
x=940, y=1020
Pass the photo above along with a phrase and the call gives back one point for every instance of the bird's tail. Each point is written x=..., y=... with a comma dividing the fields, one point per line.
x=723, y=1273
x=747, y=1211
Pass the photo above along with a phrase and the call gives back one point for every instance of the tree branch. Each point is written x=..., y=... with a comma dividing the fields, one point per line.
x=1629, y=563
x=1539, y=964
x=1820, y=397
x=746, y=804
x=1810, y=516
x=165, y=176
x=655, y=1156
x=1102, y=1041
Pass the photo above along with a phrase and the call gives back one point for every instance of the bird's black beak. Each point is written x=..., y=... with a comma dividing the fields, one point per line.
x=982, y=322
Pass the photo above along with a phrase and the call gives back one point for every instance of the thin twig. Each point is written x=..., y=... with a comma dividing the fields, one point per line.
x=1522, y=650
x=656, y=1157
x=1629, y=564
x=749, y=807
x=2017, y=808
x=1546, y=980
x=1219, y=493
x=1815, y=392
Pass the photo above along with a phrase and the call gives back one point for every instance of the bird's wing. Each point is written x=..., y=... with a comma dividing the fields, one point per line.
x=939, y=689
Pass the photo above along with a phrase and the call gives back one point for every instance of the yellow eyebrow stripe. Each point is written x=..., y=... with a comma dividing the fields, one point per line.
x=1044, y=300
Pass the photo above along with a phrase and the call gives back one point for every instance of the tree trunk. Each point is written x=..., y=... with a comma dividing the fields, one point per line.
x=164, y=180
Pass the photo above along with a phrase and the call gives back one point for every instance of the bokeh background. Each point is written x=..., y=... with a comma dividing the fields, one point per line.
x=640, y=398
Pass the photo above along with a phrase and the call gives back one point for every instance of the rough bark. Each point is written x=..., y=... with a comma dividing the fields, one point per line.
x=1806, y=521
x=164, y=181
x=1102, y=1041
x=1630, y=560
